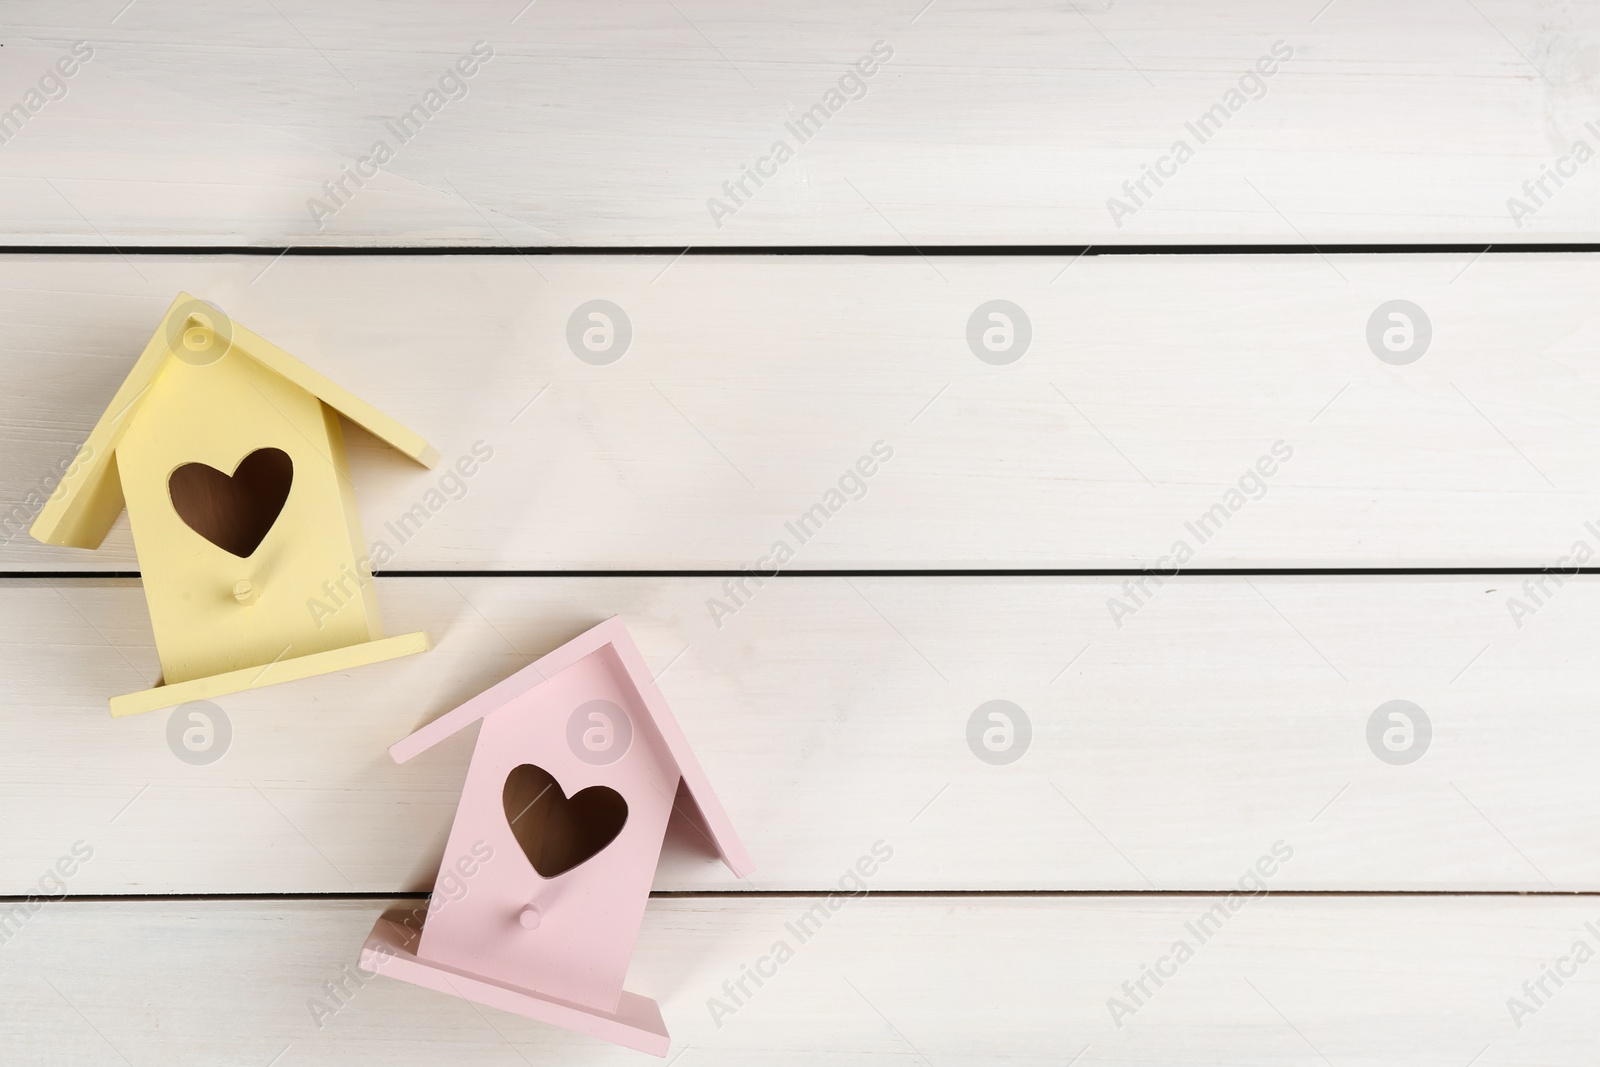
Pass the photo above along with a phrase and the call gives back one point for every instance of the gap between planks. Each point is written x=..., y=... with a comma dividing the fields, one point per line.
x=952, y=572
x=898, y=251
x=823, y=894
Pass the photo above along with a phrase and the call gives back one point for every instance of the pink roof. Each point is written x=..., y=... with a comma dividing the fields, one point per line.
x=714, y=820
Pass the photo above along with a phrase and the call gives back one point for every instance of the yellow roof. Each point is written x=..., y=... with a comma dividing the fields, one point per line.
x=81, y=510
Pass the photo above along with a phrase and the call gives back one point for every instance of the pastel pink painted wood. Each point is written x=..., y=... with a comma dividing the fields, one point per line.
x=542, y=888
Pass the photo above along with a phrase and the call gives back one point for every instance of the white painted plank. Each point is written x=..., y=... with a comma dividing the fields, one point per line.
x=617, y=123
x=1224, y=715
x=1283, y=980
x=1151, y=388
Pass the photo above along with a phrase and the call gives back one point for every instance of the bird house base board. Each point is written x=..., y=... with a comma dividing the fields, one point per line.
x=283, y=670
x=636, y=1023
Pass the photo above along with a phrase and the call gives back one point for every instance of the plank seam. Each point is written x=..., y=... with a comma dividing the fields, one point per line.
x=891, y=251
x=822, y=894
x=950, y=572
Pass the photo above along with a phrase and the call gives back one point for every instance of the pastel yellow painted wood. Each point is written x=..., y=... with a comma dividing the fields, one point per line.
x=295, y=598
x=285, y=670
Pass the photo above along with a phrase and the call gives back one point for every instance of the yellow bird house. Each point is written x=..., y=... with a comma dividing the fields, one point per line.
x=229, y=456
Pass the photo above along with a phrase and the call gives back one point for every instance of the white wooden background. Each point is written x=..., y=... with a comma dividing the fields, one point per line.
x=613, y=123
x=1168, y=753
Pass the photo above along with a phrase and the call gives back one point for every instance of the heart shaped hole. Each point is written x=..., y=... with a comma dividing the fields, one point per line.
x=233, y=511
x=558, y=832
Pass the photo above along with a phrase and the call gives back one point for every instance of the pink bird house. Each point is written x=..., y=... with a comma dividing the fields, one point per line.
x=554, y=847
